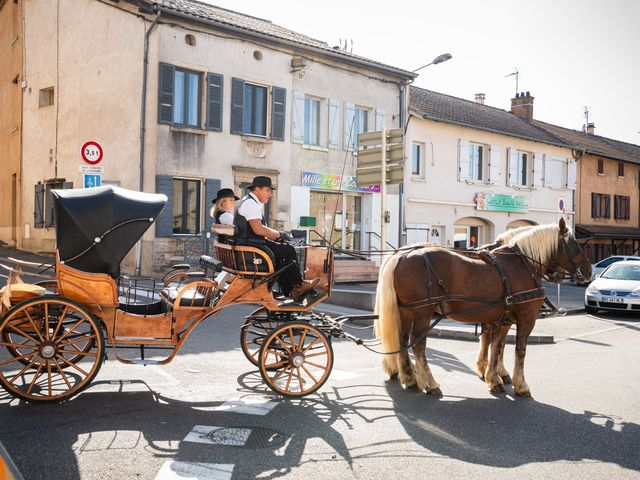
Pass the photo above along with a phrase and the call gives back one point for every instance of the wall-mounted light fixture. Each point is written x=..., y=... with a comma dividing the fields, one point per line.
x=298, y=64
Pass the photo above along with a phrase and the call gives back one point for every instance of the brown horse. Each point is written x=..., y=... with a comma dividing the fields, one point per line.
x=496, y=290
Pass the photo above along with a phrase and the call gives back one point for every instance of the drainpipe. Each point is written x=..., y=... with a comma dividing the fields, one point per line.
x=401, y=186
x=143, y=121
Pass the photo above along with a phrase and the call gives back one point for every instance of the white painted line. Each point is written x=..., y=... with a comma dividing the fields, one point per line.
x=338, y=375
x=212, y=435
x=172, y=470
x=590, y=333
x=257, y=405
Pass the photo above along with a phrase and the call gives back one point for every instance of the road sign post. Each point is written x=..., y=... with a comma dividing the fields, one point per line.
x=381, y=161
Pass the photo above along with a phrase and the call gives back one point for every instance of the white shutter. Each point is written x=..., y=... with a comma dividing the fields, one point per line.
x=349, y=126
x=297, y=118
x=512, y=167
x=494, y=165
x=539, y=160
x=571, y=174
x=379, y=119
x=334, y=124
x=463, y=160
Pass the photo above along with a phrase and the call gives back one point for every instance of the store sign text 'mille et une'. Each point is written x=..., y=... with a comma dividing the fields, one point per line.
x=327, y=181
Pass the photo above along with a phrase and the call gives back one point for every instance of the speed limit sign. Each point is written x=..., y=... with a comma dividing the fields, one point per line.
x=91, y=152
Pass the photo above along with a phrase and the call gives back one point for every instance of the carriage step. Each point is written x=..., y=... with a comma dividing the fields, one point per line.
x=139, y=361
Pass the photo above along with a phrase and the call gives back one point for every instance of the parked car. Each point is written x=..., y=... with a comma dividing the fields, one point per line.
x=617, y=288
x=598, y=267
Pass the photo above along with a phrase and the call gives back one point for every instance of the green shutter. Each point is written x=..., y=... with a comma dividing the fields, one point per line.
x=212, y=186
x=237, y=106
x=214, y=102
x=164, y=222
x=278, y=105
x=165, y=93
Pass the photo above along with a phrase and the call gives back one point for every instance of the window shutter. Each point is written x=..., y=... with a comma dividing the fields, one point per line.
x=334, y=124
x=38, y=206
x=463, y=160
x=512, y=167
x=164, y=222
x=494, y=165
x=212, y=186
x=607, y=206
x=540, y=161
x=594, y=200
x=278, y=108
x=48, y=205
x=165, y=93
x=349, y=126
x=379, y=119
x=297, y=117
x=571, y=174
x=214, y=102
x=237, y=106
x=616, y=206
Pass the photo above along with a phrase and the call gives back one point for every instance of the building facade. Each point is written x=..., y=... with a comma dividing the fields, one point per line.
x=473, y=171
x=182, y=98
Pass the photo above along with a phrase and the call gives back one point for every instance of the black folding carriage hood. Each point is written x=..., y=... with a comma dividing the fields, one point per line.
x=96, y=227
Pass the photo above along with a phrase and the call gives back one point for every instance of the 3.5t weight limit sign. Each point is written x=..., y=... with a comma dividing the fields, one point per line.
x=91, y=153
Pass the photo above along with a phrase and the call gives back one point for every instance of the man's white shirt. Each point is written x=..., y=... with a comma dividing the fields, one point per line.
x=251, y=210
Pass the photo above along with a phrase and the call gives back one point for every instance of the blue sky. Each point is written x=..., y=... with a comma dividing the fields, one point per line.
x=570, y=53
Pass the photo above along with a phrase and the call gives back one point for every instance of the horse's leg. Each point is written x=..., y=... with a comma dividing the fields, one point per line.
x=492, y=378
x=523, y=331
x=406, y=373
x=482, y=359
x=424, y=376
x=502, y=370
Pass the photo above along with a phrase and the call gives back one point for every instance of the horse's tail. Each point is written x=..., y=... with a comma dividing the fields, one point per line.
x=387, y=325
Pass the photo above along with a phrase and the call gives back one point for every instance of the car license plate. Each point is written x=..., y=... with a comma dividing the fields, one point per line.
x=613, y=300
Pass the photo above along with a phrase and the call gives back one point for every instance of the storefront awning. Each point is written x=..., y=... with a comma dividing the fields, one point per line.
x=587, y=232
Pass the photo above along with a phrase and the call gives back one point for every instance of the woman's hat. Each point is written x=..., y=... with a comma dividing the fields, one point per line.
x=261, y=181
x=224, y=193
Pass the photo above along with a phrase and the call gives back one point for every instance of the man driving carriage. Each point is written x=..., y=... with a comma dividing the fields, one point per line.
x=252, y=230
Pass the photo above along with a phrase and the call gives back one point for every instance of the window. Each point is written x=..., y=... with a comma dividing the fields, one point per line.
x=186, y=98
x=600, y=205
x=555, y=172
x=186, y=206
x=249, y=107
x=47, y=97
x=523, y=169
x=621, y=169
x=416, y=159
x=311, y=121
x=621, y=207
x=43, y=201
x=476, y=161
x=356, y=120
x=254, y=119
x=601, y=166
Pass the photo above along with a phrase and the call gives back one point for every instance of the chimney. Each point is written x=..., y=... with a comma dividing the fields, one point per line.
x=522, y=106
x=591, y=128
x=480, y=98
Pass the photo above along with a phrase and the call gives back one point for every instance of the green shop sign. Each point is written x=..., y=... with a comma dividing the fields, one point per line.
x=501, y=203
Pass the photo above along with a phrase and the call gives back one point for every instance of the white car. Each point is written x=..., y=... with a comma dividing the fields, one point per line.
x=599, y=267
x=617, y=288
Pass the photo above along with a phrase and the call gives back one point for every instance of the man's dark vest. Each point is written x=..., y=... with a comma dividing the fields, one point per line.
x=245, y=232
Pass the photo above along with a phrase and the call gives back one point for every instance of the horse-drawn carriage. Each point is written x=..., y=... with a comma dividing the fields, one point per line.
x=54, y=335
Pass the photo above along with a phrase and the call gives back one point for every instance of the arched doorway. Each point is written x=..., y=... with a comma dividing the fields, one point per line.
x=469, y=232
x=520, y=223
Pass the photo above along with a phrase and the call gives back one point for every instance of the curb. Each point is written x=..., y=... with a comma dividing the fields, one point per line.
x=451, y=334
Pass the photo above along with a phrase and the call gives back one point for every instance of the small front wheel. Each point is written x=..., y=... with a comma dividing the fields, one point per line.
x=253, y=332
x=295, y=359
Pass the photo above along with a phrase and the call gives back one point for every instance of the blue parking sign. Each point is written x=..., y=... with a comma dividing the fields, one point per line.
x=92, y=181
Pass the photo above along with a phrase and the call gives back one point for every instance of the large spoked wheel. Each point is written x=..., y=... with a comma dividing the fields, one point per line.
x=51, y=348
x=295, y=359
x=253, y=332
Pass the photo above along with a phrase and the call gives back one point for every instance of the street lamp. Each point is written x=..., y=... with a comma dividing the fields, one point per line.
x=439, y=59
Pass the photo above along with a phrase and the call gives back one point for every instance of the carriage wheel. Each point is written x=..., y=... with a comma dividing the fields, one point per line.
x=253, y=332
x=53, y=348
x=295, y=359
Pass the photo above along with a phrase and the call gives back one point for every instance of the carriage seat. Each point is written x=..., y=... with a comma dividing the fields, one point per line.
x=192, y=298
x=246, y=260
x=224, y=233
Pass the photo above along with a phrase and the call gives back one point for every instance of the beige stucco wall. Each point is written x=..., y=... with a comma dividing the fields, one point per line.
x=440, y=199
x=11, y=44
x=590, y=181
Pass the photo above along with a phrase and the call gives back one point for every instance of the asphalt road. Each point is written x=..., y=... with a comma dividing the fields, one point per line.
x=209, y=414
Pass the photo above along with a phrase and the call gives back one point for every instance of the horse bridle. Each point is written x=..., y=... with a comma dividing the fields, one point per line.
x=554, y=272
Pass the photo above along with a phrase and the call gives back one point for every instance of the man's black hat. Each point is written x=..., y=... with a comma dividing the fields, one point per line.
x=224, y=193
x=261, y=181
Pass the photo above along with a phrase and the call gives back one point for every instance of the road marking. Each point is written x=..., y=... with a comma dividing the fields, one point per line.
x=256, y=405
x=172, y=470
x=213, y=435
x=590, y=333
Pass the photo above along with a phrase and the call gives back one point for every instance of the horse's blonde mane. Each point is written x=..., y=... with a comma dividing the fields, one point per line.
x=506, y=236
x=539, y=243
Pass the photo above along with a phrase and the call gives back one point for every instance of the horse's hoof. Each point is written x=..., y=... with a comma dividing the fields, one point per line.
x=411, y=386
x=434, y=391
x=506, y=379
x=499, y=388
x=481, y=377
x=524, y=393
